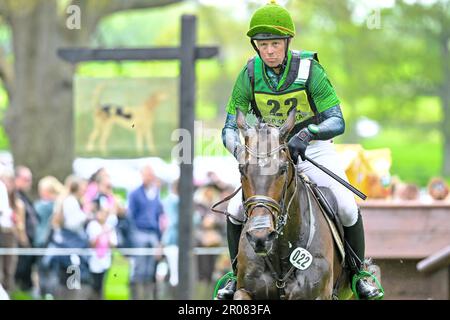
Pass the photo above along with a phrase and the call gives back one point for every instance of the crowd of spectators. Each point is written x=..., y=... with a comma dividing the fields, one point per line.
x=90, y=214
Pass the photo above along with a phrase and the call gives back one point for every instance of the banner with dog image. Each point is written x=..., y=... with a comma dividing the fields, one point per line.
x=125, y=117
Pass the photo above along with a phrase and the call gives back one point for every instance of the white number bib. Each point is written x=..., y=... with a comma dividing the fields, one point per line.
x=301, y=258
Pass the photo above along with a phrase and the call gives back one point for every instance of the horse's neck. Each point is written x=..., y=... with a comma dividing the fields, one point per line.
x=292, y=230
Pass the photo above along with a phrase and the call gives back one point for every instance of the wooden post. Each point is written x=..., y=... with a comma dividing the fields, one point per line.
x=186, y=187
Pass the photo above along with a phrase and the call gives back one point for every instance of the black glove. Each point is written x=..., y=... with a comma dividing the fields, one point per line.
x=298, y=143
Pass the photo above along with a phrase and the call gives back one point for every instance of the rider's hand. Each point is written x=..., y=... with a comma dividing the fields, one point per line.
x=298, y=143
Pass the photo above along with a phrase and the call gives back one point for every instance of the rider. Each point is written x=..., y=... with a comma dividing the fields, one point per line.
x=271, y=83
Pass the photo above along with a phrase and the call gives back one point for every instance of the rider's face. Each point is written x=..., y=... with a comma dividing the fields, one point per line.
x=272, y=51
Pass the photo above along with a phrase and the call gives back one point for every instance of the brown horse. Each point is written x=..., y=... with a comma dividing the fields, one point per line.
x=286, y=247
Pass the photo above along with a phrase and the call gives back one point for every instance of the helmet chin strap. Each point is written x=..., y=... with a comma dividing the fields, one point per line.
x=255, y=47
x=283, y=64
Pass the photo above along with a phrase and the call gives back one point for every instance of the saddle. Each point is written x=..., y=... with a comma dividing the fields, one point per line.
x=329, y=207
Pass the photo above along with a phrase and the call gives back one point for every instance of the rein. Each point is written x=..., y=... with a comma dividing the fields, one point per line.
x=267, y=154
x=227, y=198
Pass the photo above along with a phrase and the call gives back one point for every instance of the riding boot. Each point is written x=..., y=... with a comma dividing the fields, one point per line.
x=355, y=247
x=233, y=236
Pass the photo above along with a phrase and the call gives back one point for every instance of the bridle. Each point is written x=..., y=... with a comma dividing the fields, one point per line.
x=278, y=210
x=264, y=201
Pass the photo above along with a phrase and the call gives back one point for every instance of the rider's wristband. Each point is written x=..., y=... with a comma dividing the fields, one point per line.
x=305, y=135
x=314, y=129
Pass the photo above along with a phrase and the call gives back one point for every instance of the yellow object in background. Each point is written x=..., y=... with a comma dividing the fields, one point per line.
x=367, y=170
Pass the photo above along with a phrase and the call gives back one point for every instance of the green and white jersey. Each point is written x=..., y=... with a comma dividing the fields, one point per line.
x=304, y=85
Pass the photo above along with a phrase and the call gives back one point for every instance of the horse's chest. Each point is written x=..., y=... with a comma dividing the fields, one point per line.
x=301, y=284
x=310, y=283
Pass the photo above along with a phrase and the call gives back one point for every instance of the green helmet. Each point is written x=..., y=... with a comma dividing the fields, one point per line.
x=271, y=21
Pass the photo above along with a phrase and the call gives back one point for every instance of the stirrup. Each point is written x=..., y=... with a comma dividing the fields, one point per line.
x=361, y=275
x=220, y=283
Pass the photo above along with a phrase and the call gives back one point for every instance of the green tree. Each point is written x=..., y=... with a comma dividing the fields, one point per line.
x=39, y=119
x=395, y=72
x=426, y=31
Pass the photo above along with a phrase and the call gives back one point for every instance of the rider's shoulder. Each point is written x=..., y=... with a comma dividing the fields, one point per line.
x=244, y=74
x=310, y=55
x=245, y=67
x=249, y=62
x=306, y=54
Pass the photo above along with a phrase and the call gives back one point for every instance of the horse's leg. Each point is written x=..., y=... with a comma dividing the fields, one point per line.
x=343, y=288
x=242, y=294
x=328, y=292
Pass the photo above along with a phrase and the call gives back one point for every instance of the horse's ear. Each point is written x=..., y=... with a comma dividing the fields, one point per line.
x=288, y=124
x=240, y=120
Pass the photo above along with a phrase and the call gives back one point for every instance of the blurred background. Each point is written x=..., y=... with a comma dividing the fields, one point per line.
x=71, y=181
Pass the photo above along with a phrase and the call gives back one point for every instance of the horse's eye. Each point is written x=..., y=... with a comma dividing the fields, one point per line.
x=283, y=169
x=242, y=168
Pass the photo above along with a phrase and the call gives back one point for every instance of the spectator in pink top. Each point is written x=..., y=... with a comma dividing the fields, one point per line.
x=92, y=189
x=102, y=237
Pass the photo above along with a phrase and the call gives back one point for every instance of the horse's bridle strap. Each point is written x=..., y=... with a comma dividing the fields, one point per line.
x=213, y=208
x=266, y=154
x=260, y=222
x=261, y=201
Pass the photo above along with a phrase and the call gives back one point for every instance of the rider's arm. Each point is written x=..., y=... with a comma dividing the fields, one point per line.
x=230, y=135
x=240, y=98
x=331, y=122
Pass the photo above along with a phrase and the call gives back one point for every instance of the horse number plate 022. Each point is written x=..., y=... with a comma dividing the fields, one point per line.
x=301, y=258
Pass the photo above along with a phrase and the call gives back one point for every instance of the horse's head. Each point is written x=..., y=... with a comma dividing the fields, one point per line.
x=266, y=172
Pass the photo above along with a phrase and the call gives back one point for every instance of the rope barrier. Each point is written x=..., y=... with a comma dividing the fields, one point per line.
x=89, y=251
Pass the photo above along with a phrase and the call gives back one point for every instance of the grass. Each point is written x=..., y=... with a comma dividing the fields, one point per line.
x=117, y=286
x=21, y=295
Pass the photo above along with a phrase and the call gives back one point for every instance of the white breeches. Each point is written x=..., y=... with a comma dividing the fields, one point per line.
x=322, y=152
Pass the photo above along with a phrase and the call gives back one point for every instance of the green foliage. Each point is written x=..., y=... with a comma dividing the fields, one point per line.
x=141, y=28
x=392, y=74
x=4, y=141
x=416, y=155
x=5, y=48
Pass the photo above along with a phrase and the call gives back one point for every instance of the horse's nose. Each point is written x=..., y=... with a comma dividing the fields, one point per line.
x=261, y=240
